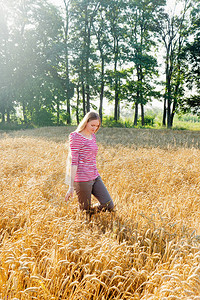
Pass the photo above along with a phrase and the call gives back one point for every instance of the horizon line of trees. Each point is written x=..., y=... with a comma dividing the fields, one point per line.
x=53, y=65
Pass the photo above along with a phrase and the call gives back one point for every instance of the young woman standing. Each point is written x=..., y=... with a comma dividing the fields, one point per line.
x=82, y=174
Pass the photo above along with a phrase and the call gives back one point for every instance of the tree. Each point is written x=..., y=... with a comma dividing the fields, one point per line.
x=141, y=28
x=130, y=92
x=101, y=29
x=69, y=87
x=191, y=58
x=174, y=30
x=82, y=18
x=115, y=17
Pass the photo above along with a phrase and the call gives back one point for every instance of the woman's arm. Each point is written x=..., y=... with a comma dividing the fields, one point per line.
x=75, y=145
x=70, y=192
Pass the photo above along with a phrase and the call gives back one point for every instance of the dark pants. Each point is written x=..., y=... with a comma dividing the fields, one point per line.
x=95, y=187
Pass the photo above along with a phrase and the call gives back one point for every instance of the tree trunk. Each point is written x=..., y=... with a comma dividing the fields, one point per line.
x=3, y=117
x=67, y=63
x=83, y=96
x=116, y=111
x=164, y=112
x=24, y=113
x=87, y=53
x=169, y=96
x=176, y=93
x=137, y=98
x=136, y=114
x=88, y=97
x=138, y=93
x=102, y=89
x=142, y=114
x=116, y=114
x=172, y=115
x=77, y=104
x=174, y=105
x=8, y=116
x=68, y=111
x=58, y=113
x=169, y=112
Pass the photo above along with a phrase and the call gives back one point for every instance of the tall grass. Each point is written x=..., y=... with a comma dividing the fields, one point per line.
x=147, y=249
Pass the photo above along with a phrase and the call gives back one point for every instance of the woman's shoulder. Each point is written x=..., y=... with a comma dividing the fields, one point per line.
x=75, y=136
x=73, y=133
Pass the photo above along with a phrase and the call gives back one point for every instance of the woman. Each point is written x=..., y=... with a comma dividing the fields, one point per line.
x=83, y=175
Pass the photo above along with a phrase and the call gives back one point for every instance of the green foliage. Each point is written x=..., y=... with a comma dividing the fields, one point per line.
x=148, y=121
x=191, y=104
x=189, y=118
x=43, y=118
x=15, y=126
x=109, y=121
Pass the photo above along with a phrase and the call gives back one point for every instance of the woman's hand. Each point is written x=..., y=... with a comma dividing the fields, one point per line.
x=70, y=193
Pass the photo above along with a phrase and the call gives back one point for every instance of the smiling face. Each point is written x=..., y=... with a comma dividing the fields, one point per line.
x=92, y=126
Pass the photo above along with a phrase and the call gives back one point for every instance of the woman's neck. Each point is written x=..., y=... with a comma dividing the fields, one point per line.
x=86, y=134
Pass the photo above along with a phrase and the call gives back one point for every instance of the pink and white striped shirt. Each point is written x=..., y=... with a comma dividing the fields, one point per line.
x=83, y=155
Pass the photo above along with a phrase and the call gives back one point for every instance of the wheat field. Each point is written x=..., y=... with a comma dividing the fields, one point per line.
x=149, y=248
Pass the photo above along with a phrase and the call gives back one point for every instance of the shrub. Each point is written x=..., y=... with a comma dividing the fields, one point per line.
x=148, y=120
x=14, y=126
x=110, y=122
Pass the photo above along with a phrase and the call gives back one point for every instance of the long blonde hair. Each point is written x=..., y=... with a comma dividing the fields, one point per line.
x=90, y=116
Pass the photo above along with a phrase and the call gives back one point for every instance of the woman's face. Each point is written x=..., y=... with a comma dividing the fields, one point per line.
x=92, y=126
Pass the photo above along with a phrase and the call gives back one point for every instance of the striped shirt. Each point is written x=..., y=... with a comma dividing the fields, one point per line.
x=83, y=155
